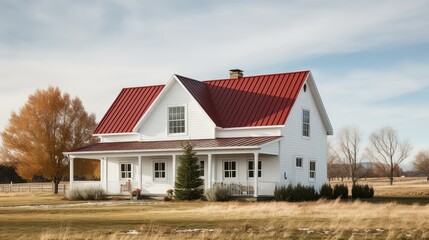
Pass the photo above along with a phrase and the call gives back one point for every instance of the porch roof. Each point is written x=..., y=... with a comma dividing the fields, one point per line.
x=174, y=145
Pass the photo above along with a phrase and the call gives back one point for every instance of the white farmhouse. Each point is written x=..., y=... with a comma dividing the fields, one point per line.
x=250, y=134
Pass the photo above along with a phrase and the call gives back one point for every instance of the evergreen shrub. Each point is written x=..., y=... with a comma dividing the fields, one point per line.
x=340, y=191
x=326, y=191
x=188, y=184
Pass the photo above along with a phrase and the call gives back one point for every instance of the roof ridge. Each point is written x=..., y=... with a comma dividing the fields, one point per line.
x=211, y=110
x=262, y=75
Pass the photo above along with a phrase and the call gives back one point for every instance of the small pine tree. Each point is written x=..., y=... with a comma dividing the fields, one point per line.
x=188, y=183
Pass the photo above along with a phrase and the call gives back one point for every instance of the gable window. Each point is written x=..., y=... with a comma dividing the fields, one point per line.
x=176, y=119
x=159, y=170
x=201, y=169
x=298, y=162
x=312, y=170
x=305, y=123
x=126, y=170
x=229, y=169
x=251, y=172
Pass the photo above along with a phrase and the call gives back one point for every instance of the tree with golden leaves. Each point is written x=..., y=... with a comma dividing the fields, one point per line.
x=50, y=123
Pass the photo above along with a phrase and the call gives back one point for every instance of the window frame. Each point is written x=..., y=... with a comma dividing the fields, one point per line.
x=253, y=170
x=202, y=169
x=185, y=120
x=303, y=123
x=312, y=171
x=230, y=171
x=302, y=161
x=126, y=171
x=154, y=171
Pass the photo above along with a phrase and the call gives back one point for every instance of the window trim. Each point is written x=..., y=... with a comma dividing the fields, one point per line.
x=302, y=161
x=186, y=120
x=302, y=123
x=259, y=169
x=223, y=169
x=155, y=179
x=131, y=170
x=310, y=171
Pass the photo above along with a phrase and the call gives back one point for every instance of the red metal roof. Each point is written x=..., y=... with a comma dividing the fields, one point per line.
x=202, y=95
x=127, y=109
x=177, y=144
x=263, y=100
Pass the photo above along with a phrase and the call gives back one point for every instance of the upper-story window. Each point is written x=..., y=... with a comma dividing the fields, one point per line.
x=176, y=120
x=305, y=123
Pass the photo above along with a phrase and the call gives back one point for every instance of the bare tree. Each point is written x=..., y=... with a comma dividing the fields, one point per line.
x=349, y=140
x=421, y=163
x=336, y=169
x=49, y=123
x=387, y=151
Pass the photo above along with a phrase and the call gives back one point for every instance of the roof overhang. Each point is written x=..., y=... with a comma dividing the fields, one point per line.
x=249, y=144
x=319, y=104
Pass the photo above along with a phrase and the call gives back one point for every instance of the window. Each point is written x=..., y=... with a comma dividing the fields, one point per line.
x=159, y=170
x=298, y=162
x=201, y=170
x=312, y=169
x=126, y=171
x=305, y=123
x=229, y=169
x=251, y=172
x=176, y=120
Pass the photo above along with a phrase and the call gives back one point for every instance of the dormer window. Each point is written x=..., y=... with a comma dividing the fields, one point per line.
x=176, y=120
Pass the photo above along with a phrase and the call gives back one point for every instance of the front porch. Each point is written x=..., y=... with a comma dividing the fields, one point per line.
x=154, y=171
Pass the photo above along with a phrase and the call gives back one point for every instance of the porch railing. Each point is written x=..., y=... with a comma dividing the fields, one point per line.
x=246, y=188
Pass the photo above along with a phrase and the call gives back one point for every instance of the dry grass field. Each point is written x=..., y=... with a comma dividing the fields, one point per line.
x=402, y=186
x=41, y=216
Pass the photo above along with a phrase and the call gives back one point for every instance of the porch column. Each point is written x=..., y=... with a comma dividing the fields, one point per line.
x=71, y=165
x=209, y=171
x=139, y=173
x=106, y=175
x=255, y=174
x=101, y=170
x=174, y=170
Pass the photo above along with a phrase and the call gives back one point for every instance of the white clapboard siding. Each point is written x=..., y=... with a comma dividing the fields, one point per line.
x=151, y=185
x=312, y=148
x=120, y=138
x=199, y=125
x=248, y=132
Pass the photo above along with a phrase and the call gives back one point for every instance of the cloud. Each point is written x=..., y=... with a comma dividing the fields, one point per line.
x=93, y=49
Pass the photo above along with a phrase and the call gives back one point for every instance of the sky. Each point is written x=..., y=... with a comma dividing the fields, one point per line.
x=370, y=59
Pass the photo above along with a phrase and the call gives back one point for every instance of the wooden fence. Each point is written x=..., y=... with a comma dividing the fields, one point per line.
x=33, y=187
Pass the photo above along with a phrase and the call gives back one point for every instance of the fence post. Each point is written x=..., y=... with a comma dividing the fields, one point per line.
x=64, y=189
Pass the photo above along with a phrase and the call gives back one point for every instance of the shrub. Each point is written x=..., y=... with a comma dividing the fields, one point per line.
x=326, y=191
x=283, y=193
x=296, y=193
x=88, y=193
x=362, y=191
x=218, y=194
x=340, y=191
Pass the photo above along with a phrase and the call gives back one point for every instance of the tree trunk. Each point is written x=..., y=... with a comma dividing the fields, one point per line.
x=391, y=176
x=56, y=184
